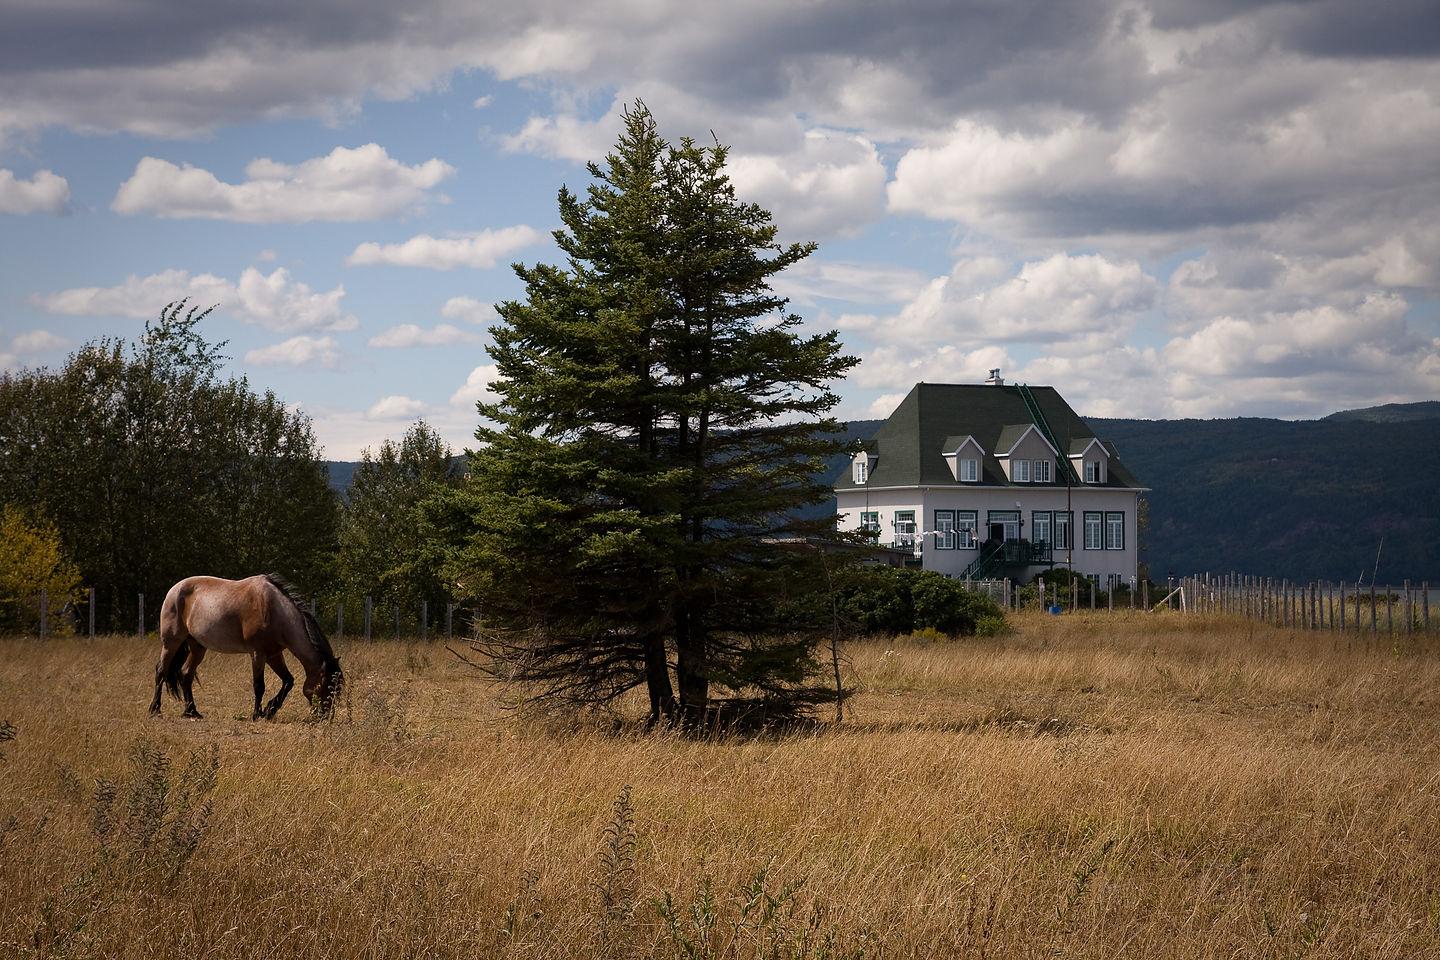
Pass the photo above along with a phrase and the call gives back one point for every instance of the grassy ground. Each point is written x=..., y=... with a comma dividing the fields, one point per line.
x=1087, y=786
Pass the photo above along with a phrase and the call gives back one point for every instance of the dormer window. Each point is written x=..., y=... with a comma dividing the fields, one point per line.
x=963, y=455
x=1090, y=459
x=1041, y=473
x=1021, y=471
x=862, y=466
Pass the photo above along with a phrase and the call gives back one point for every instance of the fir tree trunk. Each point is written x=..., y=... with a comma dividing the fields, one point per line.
x=690, y=667
x=657, y=681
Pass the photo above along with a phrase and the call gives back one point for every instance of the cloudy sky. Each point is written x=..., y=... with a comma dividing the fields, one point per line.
x=1163, y=208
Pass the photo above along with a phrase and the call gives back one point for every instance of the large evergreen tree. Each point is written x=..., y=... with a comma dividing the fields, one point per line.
x=659, y=416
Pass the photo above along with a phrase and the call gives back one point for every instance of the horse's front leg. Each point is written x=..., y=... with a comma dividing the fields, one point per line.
x=287, y=680
x=187, y=679
x=257, y=668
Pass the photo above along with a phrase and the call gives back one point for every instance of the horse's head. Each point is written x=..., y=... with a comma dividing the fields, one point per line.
x=332, y=684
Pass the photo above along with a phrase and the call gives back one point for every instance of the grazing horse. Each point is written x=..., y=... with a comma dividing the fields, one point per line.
x=261, y=616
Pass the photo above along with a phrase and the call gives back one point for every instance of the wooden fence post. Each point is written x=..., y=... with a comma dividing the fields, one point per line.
x=449, y=619
x=339, y=619
x=142, y=616
x=367, y=618
x=424, y=619
x=44, y=619
x=92, y=613
x=397, y=621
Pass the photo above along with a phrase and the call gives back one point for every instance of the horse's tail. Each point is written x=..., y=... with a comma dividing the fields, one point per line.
x=172, y=671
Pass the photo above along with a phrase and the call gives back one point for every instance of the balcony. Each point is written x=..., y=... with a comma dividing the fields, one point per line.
x=996, y=555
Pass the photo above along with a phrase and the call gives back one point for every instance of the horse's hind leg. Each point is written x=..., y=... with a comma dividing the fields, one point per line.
x=187, y=679
x=287, y=680
x=169, y=649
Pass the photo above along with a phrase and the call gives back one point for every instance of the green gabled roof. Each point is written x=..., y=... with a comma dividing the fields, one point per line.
x=910, y=444
x=954, y=443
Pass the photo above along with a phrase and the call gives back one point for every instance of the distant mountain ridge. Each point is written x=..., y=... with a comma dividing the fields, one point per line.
x=1300, y=499
x=1392, y=413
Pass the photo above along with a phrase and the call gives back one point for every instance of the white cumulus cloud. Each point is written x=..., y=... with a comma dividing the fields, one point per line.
x=469, y=310
x=481, y=250
x=477, y=388
x=274, y=301
x=45, y=192
x=364, y=183
x=299, y=351
x=1060, y=299
x=408, y=335
x=832, y=185
x=395, y=408
x=38, y=341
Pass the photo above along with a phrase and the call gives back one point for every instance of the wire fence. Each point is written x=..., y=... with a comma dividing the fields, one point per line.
x=368, y=620
x=1371, y=609
x=1311, y=605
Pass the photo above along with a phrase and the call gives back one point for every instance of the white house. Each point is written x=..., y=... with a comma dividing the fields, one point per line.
x=994, y=480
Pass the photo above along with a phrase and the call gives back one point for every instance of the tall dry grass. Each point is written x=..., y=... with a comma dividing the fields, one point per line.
x=1087, y=787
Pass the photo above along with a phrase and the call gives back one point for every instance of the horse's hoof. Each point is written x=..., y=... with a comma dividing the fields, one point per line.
x=192, y=715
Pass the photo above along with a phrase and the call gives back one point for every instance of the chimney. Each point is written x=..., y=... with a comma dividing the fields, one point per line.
x=995, y=380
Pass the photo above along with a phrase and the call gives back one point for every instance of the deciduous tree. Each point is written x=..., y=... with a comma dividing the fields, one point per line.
x=32, y=560
x=152, y=467
x=386, y=550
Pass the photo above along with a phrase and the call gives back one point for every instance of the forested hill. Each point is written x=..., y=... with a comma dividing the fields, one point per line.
x=1306, y=499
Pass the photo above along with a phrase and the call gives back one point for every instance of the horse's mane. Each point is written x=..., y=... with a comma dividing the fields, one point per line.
x=312, y=627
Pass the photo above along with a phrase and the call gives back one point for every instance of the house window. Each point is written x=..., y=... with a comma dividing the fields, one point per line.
x=870, y=524
x=1063, y=522
x=1042, y=471
x=944, y=529
x=904, y=528
x=1040, y=527
x=969, y=470
x=860, y=472
x=1114, y=531
x=1093, y=473
x=965, y=523
x=1020, y=470
x=1093, y=526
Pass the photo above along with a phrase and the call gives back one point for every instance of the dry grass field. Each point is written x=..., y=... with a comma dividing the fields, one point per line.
x=1087, y=786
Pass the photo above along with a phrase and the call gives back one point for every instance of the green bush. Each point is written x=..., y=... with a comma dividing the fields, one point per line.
x=893, y=600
